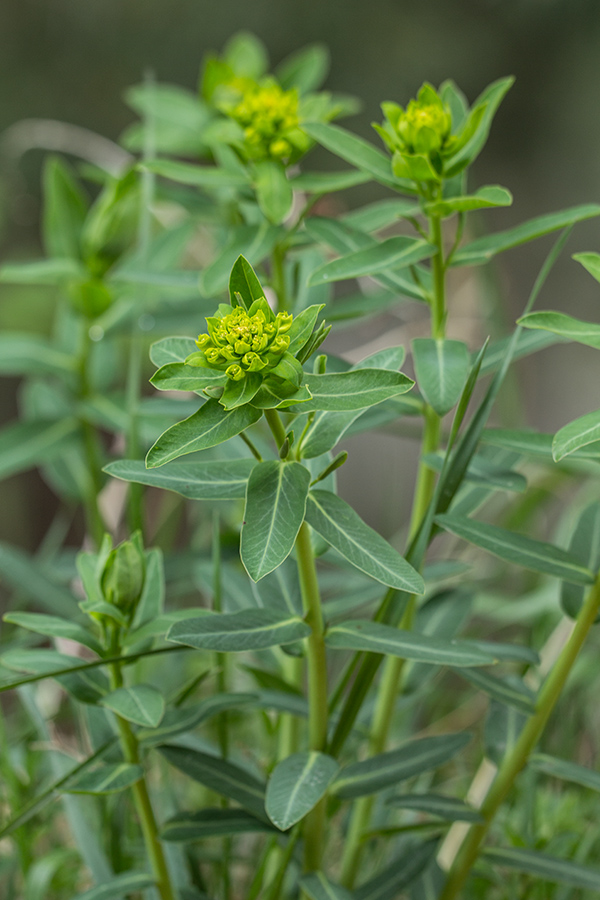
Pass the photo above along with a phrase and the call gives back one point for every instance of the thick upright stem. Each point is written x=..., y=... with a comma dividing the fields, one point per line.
x=516, y=759
x=94, y=520
x=438, y=271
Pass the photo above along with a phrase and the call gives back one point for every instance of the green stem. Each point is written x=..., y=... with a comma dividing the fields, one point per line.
x=94, y=521
x=516, y=759
x=314, y=823
x=279, y=286
x=142, y=802
x=276, y=426
x=438, y=269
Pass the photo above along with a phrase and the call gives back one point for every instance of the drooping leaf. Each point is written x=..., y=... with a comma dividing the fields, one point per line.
x=248, y=629
x=394, y=253
x=512, y=691
x=211, y=480
x=518, y=548
x=210, y=426
x=275, y=503
x=565, y=770
x=451, y=809
x=197, y=826
x=387, y=769
x=139, y=703
x=565, y=326
x=544, y=866
x=342, y=527
x=376, y=637
x=54, y=626
x=221, y=776
x=107, y=779
x=357, y=152
x=442, y=367
x=296, y=785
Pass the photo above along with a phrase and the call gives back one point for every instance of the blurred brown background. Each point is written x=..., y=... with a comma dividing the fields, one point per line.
x=71, y=60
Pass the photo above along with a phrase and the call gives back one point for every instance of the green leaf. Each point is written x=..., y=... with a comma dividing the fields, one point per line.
x=29, y=577
x=197, y=176
x=54, y=626
x=210, y=426
x=172, y=350
x=181, y=377
x=30, y=354
x=451, y=809
x=492, y=195
x=387, y=769
x=305, y=70
x=565, y=770
x=251, y=241
x=27, y=444
x=274, y=193
x=185, y=719
x=140, y=703
x=221, y=776
x=404, y=869
x=243, y=281
x=118, y=887
x=356, y=389
x=482, y=471
x=64, y=211
x=512, y=691
x=107, y=779
x=575, y=435
x=248, y=629
x=239, y=393
x=198, y=826
x=572, y=329
x=357, y=152
x=584, y=547
x=544, y=867
x=327, y=182
x=441, y=367
x=532, y=443
x=394, y=253
x=302, y=327
x=590, y=262
x=528, y=342
x=518, y=548
x=296, y=785
x=43, y=271
x=485, y=248
x=318, y=887
x=376, y=637
x=380, y=214
x=212, y=480
x=342, y=527
x=275, y=504
x=86, y=686
x=477, y=125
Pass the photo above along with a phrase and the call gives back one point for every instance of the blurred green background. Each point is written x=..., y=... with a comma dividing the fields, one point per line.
x=71, y=60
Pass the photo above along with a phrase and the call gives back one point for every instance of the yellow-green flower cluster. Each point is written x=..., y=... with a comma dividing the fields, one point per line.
x=241, y=341
x=269, y=117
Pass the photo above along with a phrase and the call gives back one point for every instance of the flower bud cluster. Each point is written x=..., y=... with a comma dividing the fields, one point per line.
x=241, y=341
x=269, y=117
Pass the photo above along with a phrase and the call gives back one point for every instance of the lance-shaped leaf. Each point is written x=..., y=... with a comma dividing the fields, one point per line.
x=575, y=435
x=518, y=548
x=327, y=182
x=485, y=248
x=251, y=241
x=27, y=444
x=357, y=152
x=565, y=770
x=318, y=887
x=198, y=176
x=394, y=253
x=243, y=281
x=172, y=350
x=54, y=626
x=221, y=776
x=305, y=70
x=119, y=887
x=211, y=480
x=532, y=443
x=43, y=271
x=296, y=785
x=274, y=193
x=198, y=826
x=376, y=637
x=442, y=367
x=585, y=547
x=451, y=809
x=590, y=262
x=249, y=629
x=491, y=195
x=181, y=377
x=545, y=867
x=356, y=389
x=380, y=214
x=30, y=354
x=210, y=426
x=565, y=326
x=178, y=721
x=140, y=703
x=108, y=779
x=275, y=504
x=387, y=769
x=512, y=692
x=342, y=527
x=400, y=873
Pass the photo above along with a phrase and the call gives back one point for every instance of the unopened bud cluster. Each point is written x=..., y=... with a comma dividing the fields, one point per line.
x=270, y=119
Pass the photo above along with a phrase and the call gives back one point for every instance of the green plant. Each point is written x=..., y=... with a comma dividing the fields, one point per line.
x=299, y=712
